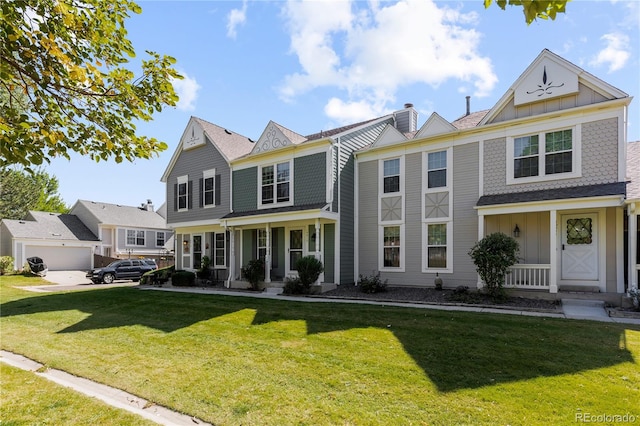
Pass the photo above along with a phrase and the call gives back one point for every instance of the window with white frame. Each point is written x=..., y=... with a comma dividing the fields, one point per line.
x=183, y=193
x=437, y=169
x=275, y=184
x=391, y=176
x=219, y=250
x=543, y=156
x=262, y=244
x=437, y=246
x=391, y=247
x=208, y=188
x=135, y=237
x=160, y=238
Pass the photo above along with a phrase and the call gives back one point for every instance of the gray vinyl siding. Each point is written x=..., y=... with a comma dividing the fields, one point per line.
x=367, y=217
x=465, y=218
x=192, y=163
x=87, y=218
x=599, y=161
x=309, y=179
x=347, y=213
x=329, y=252
x=5, y=240
x=149, y=239
x=245, y=190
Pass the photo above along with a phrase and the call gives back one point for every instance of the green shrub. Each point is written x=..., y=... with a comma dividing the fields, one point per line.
x=6, y=264
x=309, y=269
x=493, y=256
x=183, y=279
x=372, y=283
x=254, y=273
x=159, y=276
x=635, y=298
x=204, y=272
x=294, y=286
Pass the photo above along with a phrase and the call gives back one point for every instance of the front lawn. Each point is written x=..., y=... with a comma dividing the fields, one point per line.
x=239, y=360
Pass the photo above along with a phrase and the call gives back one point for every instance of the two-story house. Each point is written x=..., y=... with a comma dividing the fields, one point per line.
x=546, y=165
x=279, y=198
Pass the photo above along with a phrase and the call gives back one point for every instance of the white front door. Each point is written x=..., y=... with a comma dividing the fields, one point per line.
x=295, y=249
x=580, y=247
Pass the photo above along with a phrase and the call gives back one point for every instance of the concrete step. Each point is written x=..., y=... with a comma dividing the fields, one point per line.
x=583, y=302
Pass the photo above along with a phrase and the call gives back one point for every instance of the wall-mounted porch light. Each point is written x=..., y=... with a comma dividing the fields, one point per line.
x=516, y=231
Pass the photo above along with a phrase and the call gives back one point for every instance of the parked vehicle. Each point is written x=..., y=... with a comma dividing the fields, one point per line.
x=37, y=266
x=131, y=269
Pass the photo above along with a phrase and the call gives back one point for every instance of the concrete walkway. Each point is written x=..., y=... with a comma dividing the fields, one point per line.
x=571, y=309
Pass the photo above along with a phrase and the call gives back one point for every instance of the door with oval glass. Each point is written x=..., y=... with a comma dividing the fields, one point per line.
x=295, y=249
x=580, y=247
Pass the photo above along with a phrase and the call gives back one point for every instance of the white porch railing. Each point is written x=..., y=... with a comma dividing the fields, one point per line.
x=528, y=276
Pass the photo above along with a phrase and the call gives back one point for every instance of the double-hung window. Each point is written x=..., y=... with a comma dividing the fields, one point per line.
x=208, y=187
x=543, y=156
x=275, y=184
x=183, y=193
x=391, y=176
x=262, y=244
x=437, y=246
x=391, y=247
x=219, y=247
x=437, y=169
x=135, y=237
x=160, y=238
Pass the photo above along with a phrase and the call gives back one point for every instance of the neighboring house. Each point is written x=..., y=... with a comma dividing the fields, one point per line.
x=279, y=198
x=546, y=165
x=126, y=231
x=61, y=240
x=632, y=261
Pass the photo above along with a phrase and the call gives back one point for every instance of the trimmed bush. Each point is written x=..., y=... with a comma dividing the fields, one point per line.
x=309, y=269
x=159, y=276
x=183, y=279
x=6, y=264
x=493, y=256
x=254, y=273
x=372, y=283
x=294, y=286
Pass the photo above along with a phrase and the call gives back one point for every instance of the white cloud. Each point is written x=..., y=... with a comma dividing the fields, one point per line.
x=615, y=54
x=235, y=18
x=187, y=90
x=372, y=49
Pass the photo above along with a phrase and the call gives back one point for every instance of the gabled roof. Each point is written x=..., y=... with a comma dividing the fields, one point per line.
x=118, y=215
x=633, y=170
x=434, y=125
x=389, y=136
x=548, y=76
x=276, y=136
x=229, y=144
x=338, y=130
x=50, y=226
x=470, y=120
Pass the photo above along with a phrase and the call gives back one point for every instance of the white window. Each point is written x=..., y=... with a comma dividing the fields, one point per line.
x=391, y=176
x=543, y=156
x=160, y=238
x=437, y=169
x=392, y=248
x=437, y=254
x=183, y=193
x=275, y=185
x=209, y=188
x=219, y=250
x=135, y=237
x=262, y=244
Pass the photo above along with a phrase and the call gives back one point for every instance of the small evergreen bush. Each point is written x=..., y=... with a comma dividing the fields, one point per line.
x=493, y=256
x=294, y=286
x=372, y=283
x=254, y=273
x=183, y=279
x=309, y=269
x=6, y=264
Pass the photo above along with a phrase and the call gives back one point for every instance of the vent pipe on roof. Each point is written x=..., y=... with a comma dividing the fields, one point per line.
x=468, y=105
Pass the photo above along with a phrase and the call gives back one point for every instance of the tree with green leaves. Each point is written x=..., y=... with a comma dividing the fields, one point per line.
x=493, y=256
x=21, y=191
x=533, y=9
x=67, y=85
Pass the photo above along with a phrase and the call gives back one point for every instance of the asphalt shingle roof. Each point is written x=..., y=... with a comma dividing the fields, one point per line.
x=115, y=214
x=50, y=226
x=601, y=190
x=231, y=144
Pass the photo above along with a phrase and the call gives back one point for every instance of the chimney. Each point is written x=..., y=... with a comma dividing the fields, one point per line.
x=148, y=206
x=406, y=119
x=468, y=105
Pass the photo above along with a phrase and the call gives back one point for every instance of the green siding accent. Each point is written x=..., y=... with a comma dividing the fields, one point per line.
x=310, y=179
x=245, y=189
x=277, y=253
x=248, y=246
x=347, y=222
x=329, y=255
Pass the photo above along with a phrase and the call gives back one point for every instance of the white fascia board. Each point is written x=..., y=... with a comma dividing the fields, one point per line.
x=282, y=217
x=194, y=223
x=540, y=206
x=293, y=151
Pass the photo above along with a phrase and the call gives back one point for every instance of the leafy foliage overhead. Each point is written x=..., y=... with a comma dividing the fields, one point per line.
x=533, y=9
x=21, y=191
x=66, y=83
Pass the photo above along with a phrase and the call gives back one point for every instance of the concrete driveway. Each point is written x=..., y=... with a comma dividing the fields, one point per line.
x=74, y=280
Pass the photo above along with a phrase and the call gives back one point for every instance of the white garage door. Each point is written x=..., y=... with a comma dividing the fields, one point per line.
x=62, y=258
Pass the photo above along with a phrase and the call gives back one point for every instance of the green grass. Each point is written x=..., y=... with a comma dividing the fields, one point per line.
x=238, y=360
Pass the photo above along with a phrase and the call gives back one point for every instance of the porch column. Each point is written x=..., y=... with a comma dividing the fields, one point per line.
x=633, y=235
x=232, y=257
x=267, y=257
x=480, y=284
x=553, y=251
x=318, y=253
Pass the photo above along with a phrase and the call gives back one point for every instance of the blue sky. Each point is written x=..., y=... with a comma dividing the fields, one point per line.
x=317, y=65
